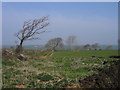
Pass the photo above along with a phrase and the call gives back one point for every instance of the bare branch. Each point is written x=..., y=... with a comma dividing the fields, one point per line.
x=55, y=43
x=32, y=38
x=17, y=35
x=32, y=28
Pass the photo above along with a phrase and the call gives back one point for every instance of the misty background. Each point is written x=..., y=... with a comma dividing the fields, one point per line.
x=90, y=22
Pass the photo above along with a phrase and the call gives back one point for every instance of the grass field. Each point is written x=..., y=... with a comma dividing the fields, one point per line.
x=50, y=69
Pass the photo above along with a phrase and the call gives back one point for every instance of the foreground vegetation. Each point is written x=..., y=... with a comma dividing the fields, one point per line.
x=59, y=69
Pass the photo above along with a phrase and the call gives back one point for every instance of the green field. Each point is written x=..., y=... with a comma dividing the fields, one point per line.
x=86, y=53
x=50, y=69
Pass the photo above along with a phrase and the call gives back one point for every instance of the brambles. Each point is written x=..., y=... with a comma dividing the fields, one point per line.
x=11, y=54
x=106, y=78
x=114, y=56
x=22, y=57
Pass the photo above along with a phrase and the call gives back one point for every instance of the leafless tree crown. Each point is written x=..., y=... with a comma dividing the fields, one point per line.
x=55, y=43
x=95, y=45
x=32, y=28
x=71, y=40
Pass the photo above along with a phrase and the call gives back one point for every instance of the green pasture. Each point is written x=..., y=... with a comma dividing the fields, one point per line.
x=85, y=53
x=54, y=69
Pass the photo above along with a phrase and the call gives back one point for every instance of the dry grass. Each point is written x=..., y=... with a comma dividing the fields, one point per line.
x=66, y=68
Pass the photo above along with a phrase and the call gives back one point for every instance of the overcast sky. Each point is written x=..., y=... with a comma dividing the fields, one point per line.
x=90, y=22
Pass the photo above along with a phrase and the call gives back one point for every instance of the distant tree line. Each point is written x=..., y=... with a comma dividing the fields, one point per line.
x=33, y=28
x=58, y=44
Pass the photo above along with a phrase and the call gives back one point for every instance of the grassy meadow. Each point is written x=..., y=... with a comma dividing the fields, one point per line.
x=54, y=69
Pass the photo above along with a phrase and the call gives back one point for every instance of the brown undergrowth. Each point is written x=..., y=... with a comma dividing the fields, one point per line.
x=106, y=78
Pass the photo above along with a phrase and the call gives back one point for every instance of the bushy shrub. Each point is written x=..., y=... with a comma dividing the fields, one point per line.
x=45, y=77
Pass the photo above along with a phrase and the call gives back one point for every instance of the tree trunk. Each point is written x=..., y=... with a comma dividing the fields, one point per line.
x=54, y=49
x=19, y=48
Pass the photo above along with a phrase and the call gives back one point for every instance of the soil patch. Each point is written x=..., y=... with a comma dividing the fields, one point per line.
x=106, y=78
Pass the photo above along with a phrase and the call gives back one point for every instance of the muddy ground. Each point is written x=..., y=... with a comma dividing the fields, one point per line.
x=106, y=78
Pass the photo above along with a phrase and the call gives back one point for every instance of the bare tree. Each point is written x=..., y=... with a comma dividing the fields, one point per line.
x=95, y=46
x=30, y=29
x=71, y=41
x=55, y=43
x=87, y=46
